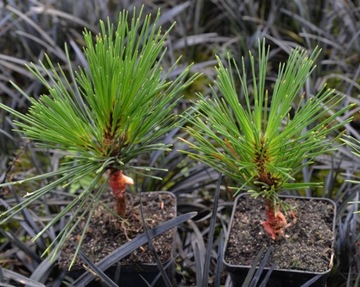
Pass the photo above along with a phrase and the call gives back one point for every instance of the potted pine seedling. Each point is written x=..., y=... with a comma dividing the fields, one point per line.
x=104, y=118
x=261, y=143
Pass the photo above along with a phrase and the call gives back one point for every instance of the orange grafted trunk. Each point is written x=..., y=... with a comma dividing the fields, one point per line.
x=275, y=223
x=118, y=182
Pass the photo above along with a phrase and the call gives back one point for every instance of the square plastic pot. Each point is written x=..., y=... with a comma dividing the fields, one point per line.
x=138, y=274
x=281, y=277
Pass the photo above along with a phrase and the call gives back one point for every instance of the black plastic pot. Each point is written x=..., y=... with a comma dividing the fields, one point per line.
x=137, y=274
x=280, y=277
x=132, y=275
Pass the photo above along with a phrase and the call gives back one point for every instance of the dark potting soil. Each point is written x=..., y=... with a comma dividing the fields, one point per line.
x=107, y=233
x=307, y=245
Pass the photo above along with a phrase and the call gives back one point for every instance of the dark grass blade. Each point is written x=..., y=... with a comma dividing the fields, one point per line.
x=2, y=277
x=198, y=263
x=33, y=229
x=160, y=274
x=104, y=278
x=250, y=274
x=260, y=270
x=357, y=280
x=42, y=271
x=132, y=245
x=21, y=279
x=11, y=237
x=196, y=241
x=265, y=281
x=117, y=272
x=219, y=258
x=347, y=238
x=169, y=15
x=28, y=223
x=311, y=281
x=209, y=247
x=152, y=248
x=146, y=282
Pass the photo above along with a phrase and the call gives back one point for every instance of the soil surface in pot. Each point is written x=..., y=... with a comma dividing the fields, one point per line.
x=307, y=245
x=107, y=232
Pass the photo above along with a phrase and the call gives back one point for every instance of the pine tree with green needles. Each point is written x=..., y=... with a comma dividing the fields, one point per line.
x=258, y=144
x=101, y=116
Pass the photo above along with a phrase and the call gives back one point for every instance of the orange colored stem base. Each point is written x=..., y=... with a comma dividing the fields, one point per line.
x=276, y=223
x=118, y=182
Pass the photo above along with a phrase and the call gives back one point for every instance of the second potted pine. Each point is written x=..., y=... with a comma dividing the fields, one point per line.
x=262, y=143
